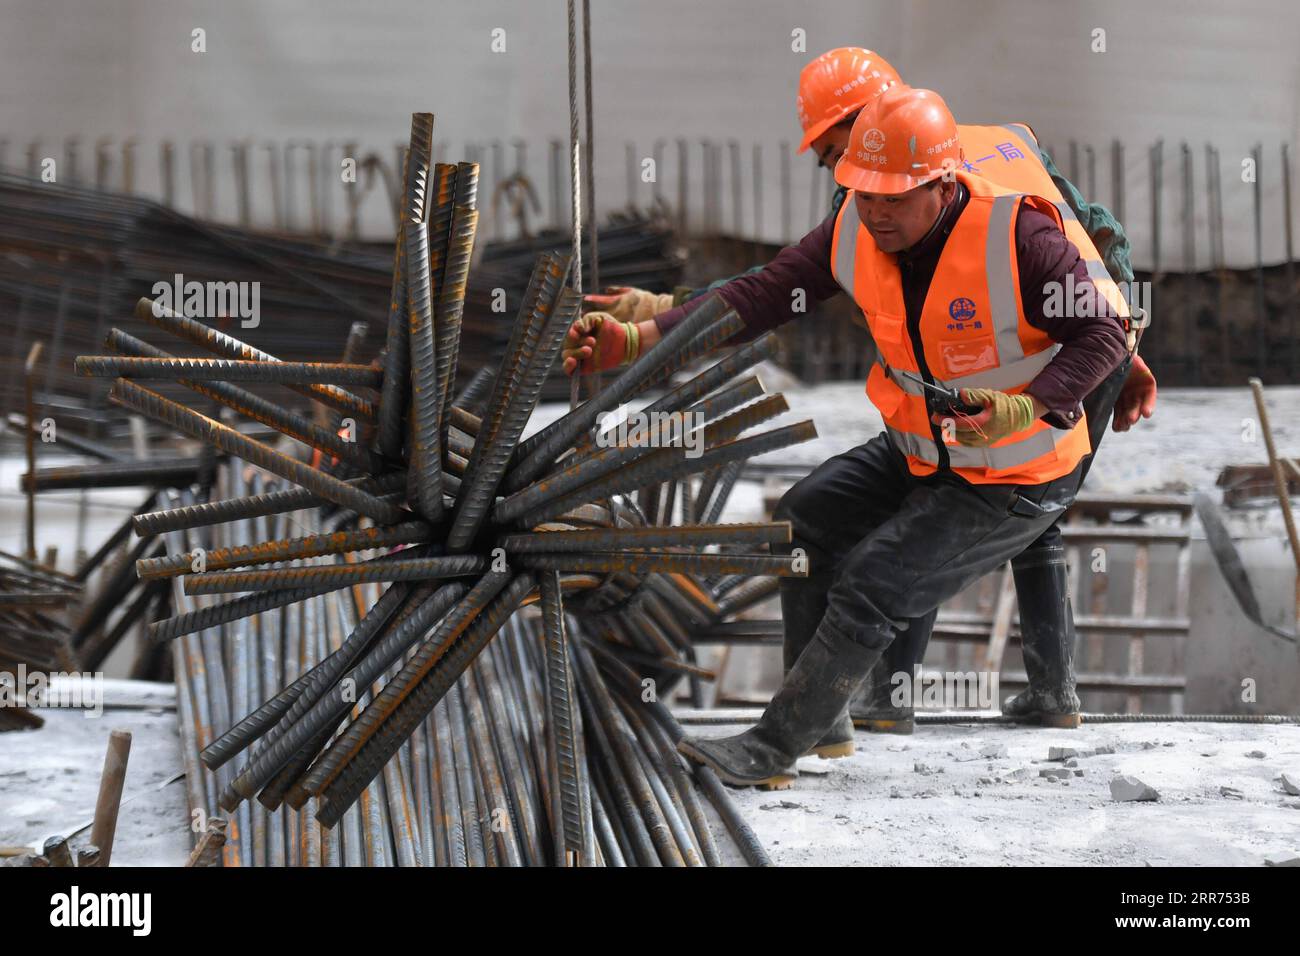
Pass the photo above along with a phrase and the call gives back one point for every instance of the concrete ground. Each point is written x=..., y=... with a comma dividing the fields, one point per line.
x=49, y=777
x=954, y=795
x=876, y=807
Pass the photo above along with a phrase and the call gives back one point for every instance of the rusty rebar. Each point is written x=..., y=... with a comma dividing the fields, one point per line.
x=288, y=549
x=228, y=370
x=162, y=409
x=620, y=539
x=219, y=342
x=334, y=576
x=257, y=408
x=226, y=510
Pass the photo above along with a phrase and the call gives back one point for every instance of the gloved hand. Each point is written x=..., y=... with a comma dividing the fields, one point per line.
x=629, y=304
x=1003, y=415
x=1137, y=398
x=598, y=341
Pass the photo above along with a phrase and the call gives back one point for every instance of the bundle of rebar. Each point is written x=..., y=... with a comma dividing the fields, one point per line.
x=473, y=672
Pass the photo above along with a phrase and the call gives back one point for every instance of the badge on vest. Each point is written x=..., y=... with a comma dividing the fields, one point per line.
x=974, y=351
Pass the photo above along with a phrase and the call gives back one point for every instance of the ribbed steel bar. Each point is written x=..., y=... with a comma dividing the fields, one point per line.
x=257, y=408
x=228, y=370
x=213, y=615
x=467, y=421
x=426, y=445
x=641, y=468
x=202, y=335
x=668, y=463
x=162, y=409
x=678, y=768
x=655, y=562
x=700, y=346
x=253, y=506
x=335, y=690
x=541, y=351
x=466, y=789
x=568, y=827
x=678, y=536
x=730, y=475
x=397, y=358
x=346, y=746
x=621, y=741
x=299, y=696
x=537, y=453
x=453, y=279
x=289, y=549
x=584, y=468
x=410, y=708
x=335, y=576
x=747, y=595
x=156, y=472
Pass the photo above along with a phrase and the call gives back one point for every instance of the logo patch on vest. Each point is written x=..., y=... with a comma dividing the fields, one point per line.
x=961, y=309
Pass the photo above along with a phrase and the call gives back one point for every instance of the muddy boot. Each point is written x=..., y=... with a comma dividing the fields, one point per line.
x=815, y=694
x=802, y=605
x=1047, y=641
x=873, y=708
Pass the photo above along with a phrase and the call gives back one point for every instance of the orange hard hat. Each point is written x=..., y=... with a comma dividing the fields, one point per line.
x=836, y=85
x=902, y=139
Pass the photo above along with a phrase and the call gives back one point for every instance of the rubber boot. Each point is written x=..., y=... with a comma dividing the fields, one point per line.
x=815, y=694
x=1047, y=641
x=873, y=708
x=802, y=605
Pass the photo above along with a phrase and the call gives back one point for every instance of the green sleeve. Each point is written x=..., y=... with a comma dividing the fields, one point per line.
x=1102, y=227
x=684, y=294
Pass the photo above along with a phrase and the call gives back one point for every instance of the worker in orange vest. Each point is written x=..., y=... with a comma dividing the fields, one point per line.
x=832, y=91
x=980, y=386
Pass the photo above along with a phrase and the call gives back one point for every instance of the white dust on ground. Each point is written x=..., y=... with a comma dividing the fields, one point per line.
x=930, y=799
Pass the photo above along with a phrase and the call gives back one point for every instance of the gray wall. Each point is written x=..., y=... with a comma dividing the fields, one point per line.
x=342, y=69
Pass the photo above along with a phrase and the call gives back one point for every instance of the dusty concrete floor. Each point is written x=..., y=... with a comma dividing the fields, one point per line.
x=49, y=779
x=931, y=799
x=845, y=810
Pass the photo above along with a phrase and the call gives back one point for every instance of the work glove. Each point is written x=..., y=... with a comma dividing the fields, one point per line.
x=629, y=304
x=598, y=341
x=1137, y=397
x=1003, y=415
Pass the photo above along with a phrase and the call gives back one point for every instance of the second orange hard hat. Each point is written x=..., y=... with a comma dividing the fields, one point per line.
x=903, y=139
x=837, y=84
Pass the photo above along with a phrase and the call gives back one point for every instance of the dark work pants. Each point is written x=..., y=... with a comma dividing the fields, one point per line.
x=886, y=548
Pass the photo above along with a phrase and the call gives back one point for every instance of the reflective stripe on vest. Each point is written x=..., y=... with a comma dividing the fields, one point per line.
x=1114, y=294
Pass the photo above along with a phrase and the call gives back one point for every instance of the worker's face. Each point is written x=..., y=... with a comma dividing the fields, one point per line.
x=830, y=145
x=898, y=222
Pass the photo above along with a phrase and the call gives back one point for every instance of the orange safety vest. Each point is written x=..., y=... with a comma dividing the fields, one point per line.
x=1009, y=156
x=973, y=332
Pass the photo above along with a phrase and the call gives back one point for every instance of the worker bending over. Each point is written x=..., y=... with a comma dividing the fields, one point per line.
x=833, y=89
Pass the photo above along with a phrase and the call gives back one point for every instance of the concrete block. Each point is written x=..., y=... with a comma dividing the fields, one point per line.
x=1131, y=789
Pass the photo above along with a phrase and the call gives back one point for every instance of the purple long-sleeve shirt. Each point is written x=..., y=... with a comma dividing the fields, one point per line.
x=1092, y=345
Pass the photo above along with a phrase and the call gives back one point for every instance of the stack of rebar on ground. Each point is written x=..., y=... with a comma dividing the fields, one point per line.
x=473, y=674
x=74, y=259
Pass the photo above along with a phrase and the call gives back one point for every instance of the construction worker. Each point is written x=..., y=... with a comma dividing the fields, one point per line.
x=833, y=89
x=953, y=275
